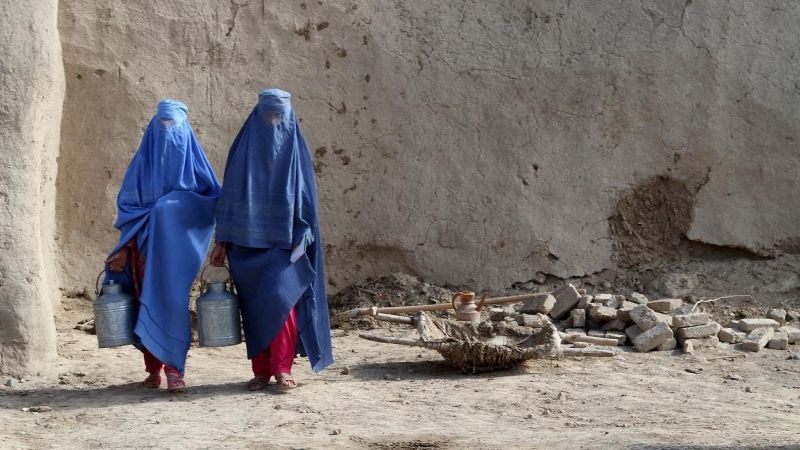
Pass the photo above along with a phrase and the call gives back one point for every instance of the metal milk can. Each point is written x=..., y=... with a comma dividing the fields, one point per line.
x=218, y=315
x=115, y=315
x=467, y=310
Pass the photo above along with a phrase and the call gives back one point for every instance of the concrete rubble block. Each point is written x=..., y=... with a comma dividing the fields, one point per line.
x=666, y=305
x=615, y=325
x=780, y=341
x=644, y=317
x=578, y=318
x=731, y=336
x=566, y=299
x=532, y=320
x=792, y=316
x=566, y=323
x=733, y=323
x=685, y=309
x=633, y=331
x=705, y=342
x=600, y=313
x=792, y=333
x=778, y=315
x=624, y=312
x=603, y=299
x=540, y=304
x=596, y=333
x=709, y=329
x=667, y=345
x=653, y=337
x=615, y=301
x=592, y=340
x=688, y=347
x=690, y=320
x=496, y=314
x=758, y=338
x=638, y=298
x=749, y=325
x=575, y=331
x=584, y=302
x=619, y=336
x=664, y=318
x=580, y=345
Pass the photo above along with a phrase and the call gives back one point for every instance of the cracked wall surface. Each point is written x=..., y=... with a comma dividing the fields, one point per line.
x=31, y=94
x=474, y=144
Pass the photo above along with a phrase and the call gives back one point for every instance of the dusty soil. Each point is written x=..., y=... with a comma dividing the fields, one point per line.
x=394, y=397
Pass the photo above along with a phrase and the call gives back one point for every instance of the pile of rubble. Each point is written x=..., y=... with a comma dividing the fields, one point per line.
x=662, y=325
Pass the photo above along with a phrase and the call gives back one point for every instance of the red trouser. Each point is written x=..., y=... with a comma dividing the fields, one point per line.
x=137, y=262
x=279, y=356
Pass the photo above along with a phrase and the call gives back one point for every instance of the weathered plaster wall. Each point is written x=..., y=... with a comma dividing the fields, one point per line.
x=31, y=95
x=472, y=143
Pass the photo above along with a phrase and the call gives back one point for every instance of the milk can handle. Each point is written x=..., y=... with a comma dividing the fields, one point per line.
x=97, y=281
x=202, y=273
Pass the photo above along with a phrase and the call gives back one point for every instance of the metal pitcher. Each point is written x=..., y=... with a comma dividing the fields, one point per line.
x=218, y=321
x=115, y=315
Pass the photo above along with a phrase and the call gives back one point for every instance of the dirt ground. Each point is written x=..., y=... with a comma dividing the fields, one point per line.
x=380, y=396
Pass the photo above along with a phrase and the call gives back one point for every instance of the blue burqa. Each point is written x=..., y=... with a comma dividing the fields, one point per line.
x=167, y=201
x=267, y=207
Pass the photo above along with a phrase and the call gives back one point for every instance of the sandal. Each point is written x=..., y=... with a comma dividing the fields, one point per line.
x=153, y=380
x=175, y=383
x=257, y=383
x=286, y=381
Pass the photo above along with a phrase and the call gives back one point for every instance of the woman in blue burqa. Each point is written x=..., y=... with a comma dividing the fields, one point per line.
x=165, y=216
x=268, y=227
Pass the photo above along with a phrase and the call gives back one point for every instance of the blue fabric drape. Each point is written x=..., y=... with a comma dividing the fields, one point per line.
x=268, y=205
x=167, y=201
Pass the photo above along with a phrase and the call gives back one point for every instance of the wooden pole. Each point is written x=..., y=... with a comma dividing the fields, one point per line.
x=442, y=306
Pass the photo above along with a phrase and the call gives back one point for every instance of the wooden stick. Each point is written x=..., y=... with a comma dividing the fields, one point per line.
x=587, y=352
x=392, y=340
x=442, y=306
x=396, y=319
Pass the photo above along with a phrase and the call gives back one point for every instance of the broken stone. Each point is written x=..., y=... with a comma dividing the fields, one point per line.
x=749, y=325
x=792, y=333
x=665, y=305
x=596, y=333
x=540, y=304
x=758, y=338
x=619, y=336
x=12, y=382
x=575, y=331
x=584, y=301
x=731, y=336
x=633, y=331
x=615, y=301
x=778, y=315
x=779, y=341
x=580, y=345
x=644, y=317
x=496, y=314
x=638, y=298
x=532, y=321
x=653, y=337
x=566, y=298
x=615, y=325
x=624, y=313
x=592, y=340
x=705, y=342
x=600, y=313
x=667, y=345
x=709, y=329
x=603, y=299
x=688, y=347
x=690, y=320
x=792, y=315
x=578, y=318
x=683, y=310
